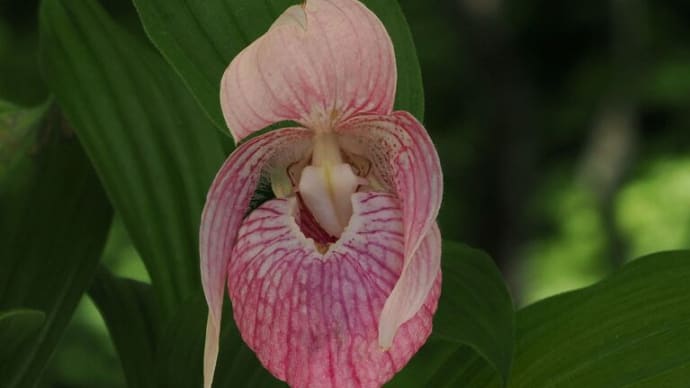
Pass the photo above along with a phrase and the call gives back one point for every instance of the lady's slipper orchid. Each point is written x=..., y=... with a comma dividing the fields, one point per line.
x=335, y=282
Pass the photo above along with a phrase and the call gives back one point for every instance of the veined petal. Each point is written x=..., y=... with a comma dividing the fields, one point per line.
x=410, y=292
x=226, y=205
x=321, y=61
x=404, y=159
x=312, y=318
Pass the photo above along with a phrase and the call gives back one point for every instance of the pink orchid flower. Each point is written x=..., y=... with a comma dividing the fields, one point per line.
x=333, y=283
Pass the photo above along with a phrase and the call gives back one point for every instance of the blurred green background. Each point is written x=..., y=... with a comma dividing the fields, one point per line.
x=563, y=129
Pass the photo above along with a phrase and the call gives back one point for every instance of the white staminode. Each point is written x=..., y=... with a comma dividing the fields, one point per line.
x=327, y=185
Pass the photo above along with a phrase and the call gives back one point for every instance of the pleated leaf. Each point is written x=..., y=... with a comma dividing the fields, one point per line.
x=155, y=151
x=54, y=218
x=129, y=310
x=630, y=330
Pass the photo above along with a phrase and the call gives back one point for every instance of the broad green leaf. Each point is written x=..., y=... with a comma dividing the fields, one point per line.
x=200, y=38
x=632, y=330
x=476, y=308
x=54, y=218
x=153, y=148
x=181, y=352
x=18, y=329
x=475, y=316
x=129, y=310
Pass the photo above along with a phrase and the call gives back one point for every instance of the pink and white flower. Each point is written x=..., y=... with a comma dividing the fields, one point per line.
x=335, y=282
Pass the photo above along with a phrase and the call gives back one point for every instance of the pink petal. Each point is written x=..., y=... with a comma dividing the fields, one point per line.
x=320, y=61
x=226, y=205
x=413, y=286
x=405, y=160
x=312, y=318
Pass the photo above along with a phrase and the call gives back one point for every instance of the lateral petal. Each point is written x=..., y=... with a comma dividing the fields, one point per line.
x=312, y=318
x=403, y=159
x=321, y=61
x=226, y=205
x=416, y=281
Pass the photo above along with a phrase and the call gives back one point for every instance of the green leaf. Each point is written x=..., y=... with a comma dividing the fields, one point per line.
x=632, y=330
x=129, y=310
x=200, y=38
x=181, y=352
x=55, y=218
x=18, y=329
x=153, y=148
x=475, y=316
x=476, y=309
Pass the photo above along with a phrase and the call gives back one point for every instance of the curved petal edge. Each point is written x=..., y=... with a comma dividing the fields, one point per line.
x=227, y=201
x=404, y=159
x=410, y=292
x=320, y=62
